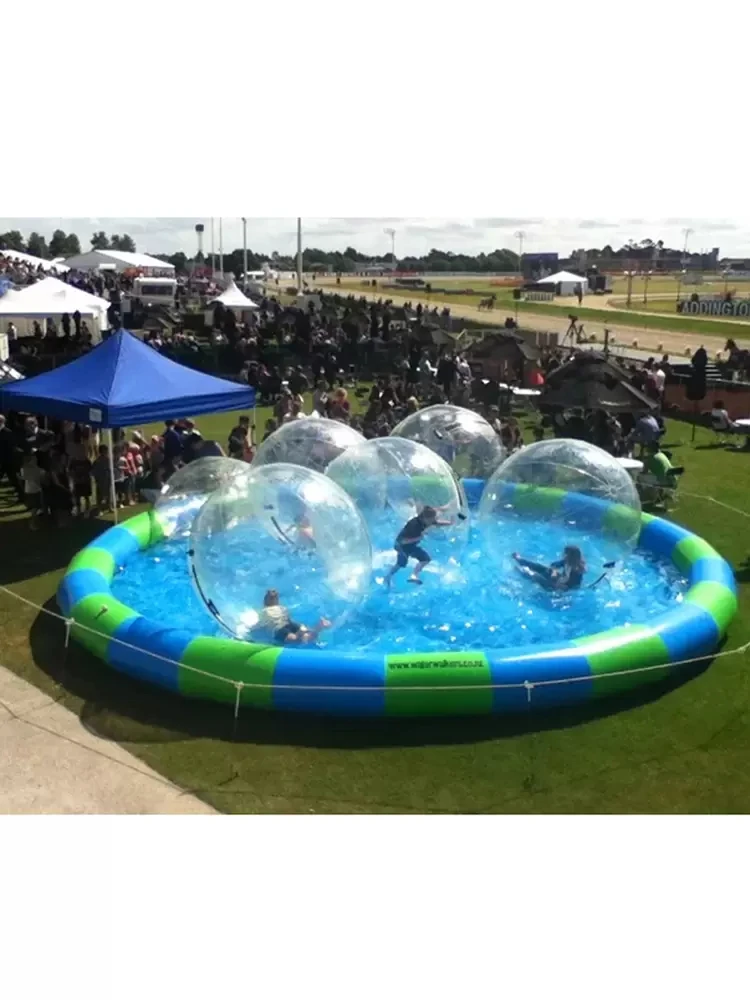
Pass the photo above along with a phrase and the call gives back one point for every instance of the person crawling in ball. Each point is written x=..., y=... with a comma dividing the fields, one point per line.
x=275, y=619
x=565, y=574
x=407, y=543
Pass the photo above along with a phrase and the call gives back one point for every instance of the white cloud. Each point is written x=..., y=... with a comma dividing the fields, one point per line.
x=413, y=235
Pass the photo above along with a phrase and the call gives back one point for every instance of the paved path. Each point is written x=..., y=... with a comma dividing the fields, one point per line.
x=49, y=763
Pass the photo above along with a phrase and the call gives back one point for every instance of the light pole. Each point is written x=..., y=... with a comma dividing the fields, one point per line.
x=645, y=286
x=213, y=246
x=299, y=256
x=199, y=230
x=630, y=288
x=244, y=254
x=221, y=247
x=679, y=284
x=392, y=234
x=519, y=235
x=687, y=233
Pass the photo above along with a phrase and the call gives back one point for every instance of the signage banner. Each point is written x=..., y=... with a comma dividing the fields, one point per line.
x=715, y=307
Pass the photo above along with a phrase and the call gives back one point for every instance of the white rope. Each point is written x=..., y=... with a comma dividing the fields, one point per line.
x=526, y=685
x=720, y=503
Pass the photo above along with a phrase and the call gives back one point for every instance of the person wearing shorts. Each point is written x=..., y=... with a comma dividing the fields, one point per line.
x=275, y=618
x=408, y=544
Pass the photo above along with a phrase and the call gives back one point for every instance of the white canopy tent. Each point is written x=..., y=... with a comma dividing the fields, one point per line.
x=52, y=298
x=567, y=282
x=233, y=298
x=27, y=258
x=120, y=260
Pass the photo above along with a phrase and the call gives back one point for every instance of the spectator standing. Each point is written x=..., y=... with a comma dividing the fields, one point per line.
x=8, y=461
x=172, y=448
x=32, y=477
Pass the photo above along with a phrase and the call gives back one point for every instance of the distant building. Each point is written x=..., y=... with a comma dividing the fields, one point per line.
x=538, y=265
x=644, y=259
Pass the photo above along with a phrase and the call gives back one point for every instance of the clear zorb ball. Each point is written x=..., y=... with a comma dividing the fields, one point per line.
x=391, y=480
x=567, y=486
x=182, y=497
x=286, y=528
x=464, y=439
x=312, y=443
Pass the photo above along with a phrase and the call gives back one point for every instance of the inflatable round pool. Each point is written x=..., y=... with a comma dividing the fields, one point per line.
x=179, y=654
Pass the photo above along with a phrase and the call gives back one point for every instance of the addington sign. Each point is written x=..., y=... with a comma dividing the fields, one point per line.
x=715, y=307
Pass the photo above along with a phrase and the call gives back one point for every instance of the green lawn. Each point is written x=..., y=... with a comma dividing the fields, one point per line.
x=684, y=748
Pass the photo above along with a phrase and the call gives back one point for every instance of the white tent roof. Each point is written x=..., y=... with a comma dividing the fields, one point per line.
x=93, y=257
x=137, y=259
x=27, y=258
x=562, y=277
x=51, y=297
x=233, y=298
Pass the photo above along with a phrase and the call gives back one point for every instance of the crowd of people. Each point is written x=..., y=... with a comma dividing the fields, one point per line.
x=63, y=469
x=326, y=349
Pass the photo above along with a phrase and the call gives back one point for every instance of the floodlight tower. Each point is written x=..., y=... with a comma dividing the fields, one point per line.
x=687, y=233
x=392, y=234
x=199, y=230
x=244, y=254
x=520, y=235
x=299, y=256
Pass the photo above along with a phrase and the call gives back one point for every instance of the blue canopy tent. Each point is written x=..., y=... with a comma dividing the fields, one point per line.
x=123, y=382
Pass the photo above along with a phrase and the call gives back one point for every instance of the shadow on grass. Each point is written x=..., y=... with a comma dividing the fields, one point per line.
x=27, y=554
x=118, y=708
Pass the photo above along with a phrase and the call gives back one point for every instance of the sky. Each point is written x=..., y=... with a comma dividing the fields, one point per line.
x=414, y=236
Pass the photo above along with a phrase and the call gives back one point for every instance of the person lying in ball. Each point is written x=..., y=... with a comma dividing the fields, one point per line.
x=407, y=543
x=565, y=574
x=275, y=619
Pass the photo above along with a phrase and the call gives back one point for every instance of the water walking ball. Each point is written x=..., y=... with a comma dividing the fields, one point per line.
x=187, y=490
x=464, y=439
x=391, y=480
x=286, y=528
x=401, y=475
x=571, y=484
x=312, y=443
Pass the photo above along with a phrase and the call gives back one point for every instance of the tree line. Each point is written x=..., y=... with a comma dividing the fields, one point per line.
x=62, y=244
x=348, y=261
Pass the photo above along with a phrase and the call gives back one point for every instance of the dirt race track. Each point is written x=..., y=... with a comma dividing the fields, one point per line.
x=648, y=340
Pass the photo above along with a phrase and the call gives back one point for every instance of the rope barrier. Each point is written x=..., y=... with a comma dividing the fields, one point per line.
x=239, y=686
x=720, y=503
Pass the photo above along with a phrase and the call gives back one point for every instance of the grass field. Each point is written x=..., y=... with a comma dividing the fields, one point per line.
x=679, y=749
x=664, y=316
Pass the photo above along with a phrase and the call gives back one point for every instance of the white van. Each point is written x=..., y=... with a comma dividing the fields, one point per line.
x=155, y=291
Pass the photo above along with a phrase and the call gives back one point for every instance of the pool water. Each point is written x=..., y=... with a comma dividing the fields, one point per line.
x=465, y=602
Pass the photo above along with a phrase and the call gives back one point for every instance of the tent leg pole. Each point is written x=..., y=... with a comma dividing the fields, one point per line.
x=112, y=473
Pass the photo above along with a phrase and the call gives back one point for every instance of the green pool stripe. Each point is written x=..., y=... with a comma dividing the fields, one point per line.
x=717, y=600
x=229, y=658
x=528, y=499
x=690, y=550
x=146, y=528
x=403, y=671
x=624, y=648
x=90, y=611
x=94, y=558
x=621, y=521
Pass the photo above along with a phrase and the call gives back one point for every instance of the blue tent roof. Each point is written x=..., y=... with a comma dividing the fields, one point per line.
x=123, y=382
